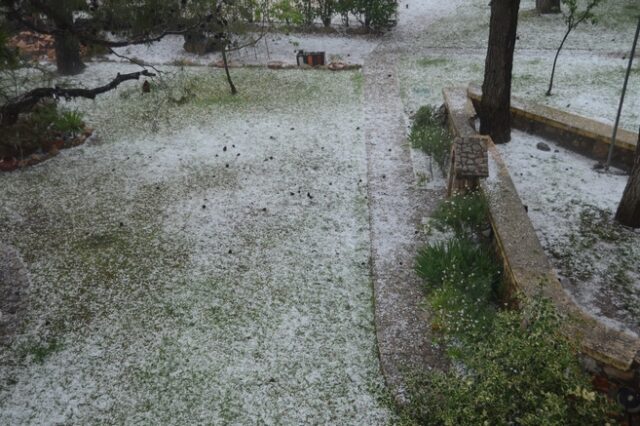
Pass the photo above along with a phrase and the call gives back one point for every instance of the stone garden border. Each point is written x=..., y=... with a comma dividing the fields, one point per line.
x=9, y=165
x=613, y=357
x=584, y=135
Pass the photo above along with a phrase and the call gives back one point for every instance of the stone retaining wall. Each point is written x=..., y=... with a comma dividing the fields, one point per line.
x=586, y=136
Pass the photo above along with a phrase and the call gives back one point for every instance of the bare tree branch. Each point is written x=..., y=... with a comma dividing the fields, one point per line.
x=10, y=111
x=134, y=61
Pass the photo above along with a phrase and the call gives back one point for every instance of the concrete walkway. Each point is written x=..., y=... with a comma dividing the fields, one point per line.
x=397, y=207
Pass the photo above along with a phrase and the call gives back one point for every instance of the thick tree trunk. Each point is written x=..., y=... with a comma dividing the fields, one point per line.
x=495, y=107
x=68, y=54
x=629, y=209
x=67, y=45
x=548, y=6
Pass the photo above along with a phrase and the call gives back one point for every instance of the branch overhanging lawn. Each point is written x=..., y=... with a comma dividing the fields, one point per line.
x=25, y=101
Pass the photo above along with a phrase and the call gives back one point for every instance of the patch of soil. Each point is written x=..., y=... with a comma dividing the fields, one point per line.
x=43, y=46
x=50, y=149
x=34, y=45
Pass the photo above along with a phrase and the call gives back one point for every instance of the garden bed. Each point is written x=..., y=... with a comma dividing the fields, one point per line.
x=48, y=149
x=571, y=206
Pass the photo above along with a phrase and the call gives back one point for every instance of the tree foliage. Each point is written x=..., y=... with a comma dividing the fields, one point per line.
x=374, y=15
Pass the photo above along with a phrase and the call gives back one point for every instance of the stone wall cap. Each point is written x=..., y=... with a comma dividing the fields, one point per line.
x=471, y=157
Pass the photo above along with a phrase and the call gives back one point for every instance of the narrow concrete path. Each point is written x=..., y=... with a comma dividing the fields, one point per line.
x=397, y=208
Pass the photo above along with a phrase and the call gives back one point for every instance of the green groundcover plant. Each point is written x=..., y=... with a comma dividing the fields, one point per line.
x=508, y=366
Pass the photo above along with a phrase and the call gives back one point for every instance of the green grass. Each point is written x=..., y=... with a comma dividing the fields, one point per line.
x=39, y=352
x=135, y=277
x=465, y=214
x=358, y=82
x=197, y=92
x=431, y=62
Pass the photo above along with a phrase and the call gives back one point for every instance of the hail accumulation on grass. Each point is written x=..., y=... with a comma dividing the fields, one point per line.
x=203, y=259
x=571, y=207
x=591, y=68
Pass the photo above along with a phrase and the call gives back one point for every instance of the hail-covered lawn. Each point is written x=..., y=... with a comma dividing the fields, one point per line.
x=466, y=26
x=204, y=259
x=571, y=206
x=591, y=68
x=276, y=46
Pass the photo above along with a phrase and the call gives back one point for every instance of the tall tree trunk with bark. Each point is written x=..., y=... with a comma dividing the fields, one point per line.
x=495, y=107
x=629, y=209
x=548, y=6
x=68, y=59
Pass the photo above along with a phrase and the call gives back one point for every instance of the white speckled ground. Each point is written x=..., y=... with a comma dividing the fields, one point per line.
x=565, y=197
x=178, y=282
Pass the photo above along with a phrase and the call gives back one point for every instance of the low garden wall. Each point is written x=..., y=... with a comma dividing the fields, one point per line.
x=613, y=357
x=586, y=136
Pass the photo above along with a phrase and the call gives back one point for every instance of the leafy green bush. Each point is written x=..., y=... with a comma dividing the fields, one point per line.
x=373, y=14
x=379, y=14
x=523, y=372
x=428, y=135
x=284, y=10
x=47, y=116
x=43, y=116
x=464, y=214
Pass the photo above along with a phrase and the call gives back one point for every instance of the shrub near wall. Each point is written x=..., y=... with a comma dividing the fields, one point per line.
x=508, y=367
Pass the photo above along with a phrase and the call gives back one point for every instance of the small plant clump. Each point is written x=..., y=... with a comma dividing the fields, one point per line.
x=428, y=134
x=509, y=367
x=70, y=122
